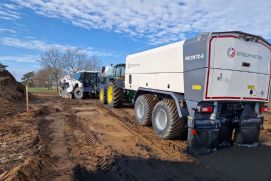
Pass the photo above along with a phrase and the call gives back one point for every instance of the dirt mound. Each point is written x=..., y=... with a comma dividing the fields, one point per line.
x=10, y=89
x=12, y=94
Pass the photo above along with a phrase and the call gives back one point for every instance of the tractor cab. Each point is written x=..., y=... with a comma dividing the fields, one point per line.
x=112, y=86
x=114, y=71
x=88, y=79
x=119, y=71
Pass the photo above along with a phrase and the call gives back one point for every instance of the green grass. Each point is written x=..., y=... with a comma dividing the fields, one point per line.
x=40, y=90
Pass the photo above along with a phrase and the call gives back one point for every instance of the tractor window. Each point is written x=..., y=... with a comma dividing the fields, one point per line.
x=91, y=78
x=109, y=71
x=120, y=71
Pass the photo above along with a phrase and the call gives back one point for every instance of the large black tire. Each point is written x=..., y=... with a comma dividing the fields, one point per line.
x=143, y=109
x=103, y=95
x=78, y=93
x=166, y=122
x=114, y=95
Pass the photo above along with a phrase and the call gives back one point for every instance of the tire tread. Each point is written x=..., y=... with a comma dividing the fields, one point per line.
x=177, y=128
x=150, y=101
x=117, y=96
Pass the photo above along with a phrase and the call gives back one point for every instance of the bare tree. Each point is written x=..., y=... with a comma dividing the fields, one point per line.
x=53, y=59
x=74, y=59
x=92, y=63
x=43, y=78
x=77, y=59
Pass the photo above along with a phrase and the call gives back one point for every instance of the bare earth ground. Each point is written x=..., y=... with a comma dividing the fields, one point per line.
x=61, y=139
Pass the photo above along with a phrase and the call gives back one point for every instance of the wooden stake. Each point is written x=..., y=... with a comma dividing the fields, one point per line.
x=26, y=97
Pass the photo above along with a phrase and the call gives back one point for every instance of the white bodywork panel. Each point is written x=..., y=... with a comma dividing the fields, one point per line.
x=236, y=69
x=237, y=85
x=160, y=68
x=239, y=69
x=71, y=82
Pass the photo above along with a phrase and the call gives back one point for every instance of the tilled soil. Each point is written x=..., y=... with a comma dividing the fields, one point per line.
x=61, y=139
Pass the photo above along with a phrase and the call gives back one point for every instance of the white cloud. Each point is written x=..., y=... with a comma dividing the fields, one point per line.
x=9, y=12
x=34, y=44
x=159, y=21
x=20, y=64
x=20, y=58
x=7, y=30
x=31, y=44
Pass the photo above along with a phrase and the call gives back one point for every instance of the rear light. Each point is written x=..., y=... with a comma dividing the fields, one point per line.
x=206, y=109
x=265, y=109
x=194, y=132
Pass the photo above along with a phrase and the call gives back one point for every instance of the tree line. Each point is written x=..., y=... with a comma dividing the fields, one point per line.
x=55, y=63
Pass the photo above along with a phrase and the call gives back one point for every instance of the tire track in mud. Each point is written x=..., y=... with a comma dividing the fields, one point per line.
x=168, y=147
x=107, y=161
x=90, y=136
x=106, y=157
x=54, y=143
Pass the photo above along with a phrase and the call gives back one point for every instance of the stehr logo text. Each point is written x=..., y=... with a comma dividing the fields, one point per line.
x=231, y=52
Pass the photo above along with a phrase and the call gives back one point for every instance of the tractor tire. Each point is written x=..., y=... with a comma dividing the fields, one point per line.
x=103, y=96
x=114, y=95
x=143, y=109
x=166, y=121
x=78, y=93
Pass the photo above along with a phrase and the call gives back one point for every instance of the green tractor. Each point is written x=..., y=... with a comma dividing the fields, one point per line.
x=112, y=90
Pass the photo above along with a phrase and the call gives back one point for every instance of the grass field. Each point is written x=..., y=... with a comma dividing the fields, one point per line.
x=40, y=90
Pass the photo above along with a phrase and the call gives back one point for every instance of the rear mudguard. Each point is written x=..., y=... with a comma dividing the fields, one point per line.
x=203, y=135
x=247, y=133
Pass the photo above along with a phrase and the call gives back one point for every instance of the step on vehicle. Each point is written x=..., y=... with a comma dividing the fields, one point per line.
x=84, y=84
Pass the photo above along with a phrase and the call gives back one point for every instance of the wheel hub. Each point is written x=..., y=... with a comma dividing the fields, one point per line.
x=110, y=94
x=161, y=119
x=140, y=110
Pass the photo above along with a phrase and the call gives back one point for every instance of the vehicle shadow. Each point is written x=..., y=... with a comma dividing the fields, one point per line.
x=235, y=163
x=240, y=163
x=139, y=169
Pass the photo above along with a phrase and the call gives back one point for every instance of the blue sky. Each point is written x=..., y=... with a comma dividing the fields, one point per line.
x=112, y=29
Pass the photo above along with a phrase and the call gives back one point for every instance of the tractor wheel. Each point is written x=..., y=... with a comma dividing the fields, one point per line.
x=102, y=96
x=114, y=95
x=166, y=122
x=78, y=93
x=143, y=109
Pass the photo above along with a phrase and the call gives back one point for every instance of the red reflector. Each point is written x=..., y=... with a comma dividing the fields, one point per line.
x=207, y=109
x=194, y=132
x=265, y=109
